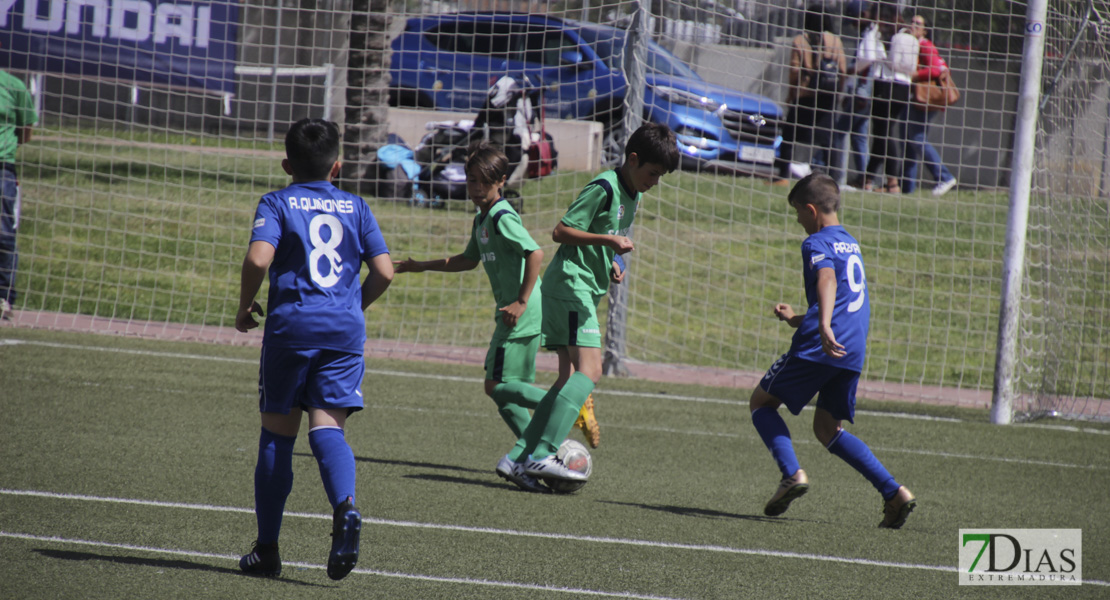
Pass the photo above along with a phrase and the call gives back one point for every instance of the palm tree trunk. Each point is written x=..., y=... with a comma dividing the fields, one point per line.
x=367, y=93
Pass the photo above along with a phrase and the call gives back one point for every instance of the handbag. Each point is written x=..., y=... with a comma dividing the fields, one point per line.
x=542, y=153
x=936, y=94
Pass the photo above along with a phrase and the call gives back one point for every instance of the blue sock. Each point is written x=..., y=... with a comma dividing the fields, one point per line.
x=856, y=453
x=273, y=479
x=776, y=437
x=336, y=460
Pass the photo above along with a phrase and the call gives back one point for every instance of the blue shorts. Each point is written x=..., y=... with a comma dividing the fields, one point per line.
x=795, y=381
x=289, y=378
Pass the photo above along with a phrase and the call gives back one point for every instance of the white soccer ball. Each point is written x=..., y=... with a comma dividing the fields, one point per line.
x=577, y=458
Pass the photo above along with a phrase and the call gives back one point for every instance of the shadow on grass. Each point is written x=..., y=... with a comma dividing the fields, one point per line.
x=687, y=511
x=407, y=463
x=448, y=479
x=160, y=563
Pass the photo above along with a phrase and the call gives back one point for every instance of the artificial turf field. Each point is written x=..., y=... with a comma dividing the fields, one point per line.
x=127, y=470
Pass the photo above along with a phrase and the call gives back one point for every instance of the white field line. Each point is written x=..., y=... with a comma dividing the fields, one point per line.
x=695, y=399
x=360, y=571
x=495, y=531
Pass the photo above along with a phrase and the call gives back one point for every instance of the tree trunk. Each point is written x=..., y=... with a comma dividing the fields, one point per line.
x=367, y=93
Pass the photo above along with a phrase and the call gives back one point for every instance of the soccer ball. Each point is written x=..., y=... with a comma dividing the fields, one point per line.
x=577, y=458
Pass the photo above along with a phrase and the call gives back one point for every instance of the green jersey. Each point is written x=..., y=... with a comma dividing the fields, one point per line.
x=500, y=241
x=605, y=206
x=17, y=109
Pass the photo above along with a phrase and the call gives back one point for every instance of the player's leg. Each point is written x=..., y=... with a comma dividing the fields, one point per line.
x=335, y=392
x=510, y=371
x=792, y=382
x=9, y=257
x=542, y=461
x=836, y=404
x=281, y=385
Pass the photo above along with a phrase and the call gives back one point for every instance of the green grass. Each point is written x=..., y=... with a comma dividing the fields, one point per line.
x=128, y=474
x=127, y=225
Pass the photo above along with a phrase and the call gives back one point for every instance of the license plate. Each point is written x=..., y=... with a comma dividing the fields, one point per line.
x=757, y=154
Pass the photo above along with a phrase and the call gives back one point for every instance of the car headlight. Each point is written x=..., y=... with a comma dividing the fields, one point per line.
x=684, y=98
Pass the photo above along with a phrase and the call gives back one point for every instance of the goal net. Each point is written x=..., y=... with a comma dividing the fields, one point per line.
x=140, y=184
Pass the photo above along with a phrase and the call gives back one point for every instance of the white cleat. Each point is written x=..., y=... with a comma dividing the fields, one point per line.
x=551, y=467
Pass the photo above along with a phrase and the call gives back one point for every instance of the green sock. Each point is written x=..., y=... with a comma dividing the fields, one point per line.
x=564, y=411
x=513, y=401
x=528, y=439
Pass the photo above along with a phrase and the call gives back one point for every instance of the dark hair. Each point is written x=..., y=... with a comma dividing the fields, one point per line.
x=312, y=147
x=889, y=13
x=815, y=20
x=819, y=190
x=486, y=162
x=654, y=143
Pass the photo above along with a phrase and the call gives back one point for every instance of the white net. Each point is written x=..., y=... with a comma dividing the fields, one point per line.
x=139, y=189
x=1064, y=362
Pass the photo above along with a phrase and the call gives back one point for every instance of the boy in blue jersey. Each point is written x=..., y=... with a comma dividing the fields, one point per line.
x=511, y=259
x=312, y=237
x=593, y=232
x=825, y=357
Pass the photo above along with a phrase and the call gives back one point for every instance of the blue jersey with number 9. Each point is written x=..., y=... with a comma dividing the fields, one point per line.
x=322, y=236
x=835, y=248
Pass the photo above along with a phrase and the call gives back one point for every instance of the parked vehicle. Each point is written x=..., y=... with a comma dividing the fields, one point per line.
x=448, y=61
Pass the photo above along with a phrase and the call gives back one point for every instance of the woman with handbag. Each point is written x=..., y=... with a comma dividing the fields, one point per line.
x=816, y=75
x=893, y=64
x=931, y=71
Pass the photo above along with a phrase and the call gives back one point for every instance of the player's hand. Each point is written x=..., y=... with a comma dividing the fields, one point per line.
x=511, y=314
x=829, y=344
x=784, y=312
x=616, y=272
x=622, y=245
x=406, y=266
x=244, y=319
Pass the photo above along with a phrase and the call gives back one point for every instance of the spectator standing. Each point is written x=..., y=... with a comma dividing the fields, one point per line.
x=930, y=67
x=816, y=75
x=854, y=116
x=892, y=64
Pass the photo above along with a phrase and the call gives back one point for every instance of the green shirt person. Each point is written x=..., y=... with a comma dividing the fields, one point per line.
x=17, y=117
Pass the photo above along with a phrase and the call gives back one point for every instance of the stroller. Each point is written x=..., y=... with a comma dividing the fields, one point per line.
x=506, y=119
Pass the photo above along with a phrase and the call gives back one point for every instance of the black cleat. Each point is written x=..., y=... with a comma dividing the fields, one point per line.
x=263, y=560
x=346, y=526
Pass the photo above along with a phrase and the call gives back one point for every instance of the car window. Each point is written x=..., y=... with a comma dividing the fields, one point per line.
x=609, y=45
x=546, y=46
x=488, y=38
x=495, y=40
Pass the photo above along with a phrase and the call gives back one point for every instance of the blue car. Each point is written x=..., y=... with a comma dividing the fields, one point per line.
x=447, y=62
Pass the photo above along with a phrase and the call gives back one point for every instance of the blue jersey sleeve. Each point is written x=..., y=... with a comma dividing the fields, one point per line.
x=267, y=222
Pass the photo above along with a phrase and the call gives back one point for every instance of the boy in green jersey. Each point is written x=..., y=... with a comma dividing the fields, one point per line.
x=593, y=232
x=512, y=261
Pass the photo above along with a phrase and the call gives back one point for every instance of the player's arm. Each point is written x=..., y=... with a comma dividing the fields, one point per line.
x=785, y=312
x=451, y=264
x=511, y=314
x=826, y=300
x=259, y=256
x=565, y=234
x=377, y=280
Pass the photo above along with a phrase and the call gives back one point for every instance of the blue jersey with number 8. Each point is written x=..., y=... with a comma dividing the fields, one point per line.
x=835, y=248
x=322, y=236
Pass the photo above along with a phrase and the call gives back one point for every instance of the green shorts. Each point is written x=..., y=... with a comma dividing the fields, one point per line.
x=512, y=360
x=570, y=323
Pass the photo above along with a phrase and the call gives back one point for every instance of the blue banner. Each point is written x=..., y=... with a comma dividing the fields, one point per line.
x=184, y=44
